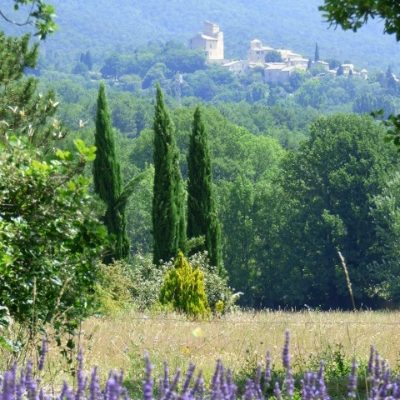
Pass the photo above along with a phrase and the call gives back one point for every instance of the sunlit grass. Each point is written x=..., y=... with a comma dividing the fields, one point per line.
x=237, y=339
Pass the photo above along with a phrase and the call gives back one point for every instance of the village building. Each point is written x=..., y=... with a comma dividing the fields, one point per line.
x=278, y=72
x=347, y=68
x=323, y=64
x=257, y=52
x=364, y=74
x=237, y=66
x=211, y=41
x=300, y=63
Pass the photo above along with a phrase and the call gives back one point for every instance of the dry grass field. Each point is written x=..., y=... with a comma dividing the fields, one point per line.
x=237, y=339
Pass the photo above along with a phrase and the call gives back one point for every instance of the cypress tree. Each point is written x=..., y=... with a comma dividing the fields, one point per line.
x=169, y=227
x=108, y=180
x=316, y=55
x=340, y=71
x=202, y=216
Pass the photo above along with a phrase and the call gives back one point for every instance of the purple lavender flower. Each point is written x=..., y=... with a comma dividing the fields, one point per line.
x=352, y=386
x=148, y=382
x=94, y=389
x=249, y=393
x=113, y=389
x=81, y=380
x=371, y=360
x=43, y=352
x=166, y=377
x=307, y=386
x=323, y=393
x=198, y=387
x=286, y=351
x=66, y=393
x=257, y=383
x=30, y=382
x=386, y=385
x=20, y=387
x=268, y=373
x=188, y=378
x=8, y=391
x=277, y=391
x=289, y=383
x=170, y=392
x=216, y=382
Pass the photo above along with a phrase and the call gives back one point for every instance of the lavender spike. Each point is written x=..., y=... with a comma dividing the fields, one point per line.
x=352, y=386
x=43, y=351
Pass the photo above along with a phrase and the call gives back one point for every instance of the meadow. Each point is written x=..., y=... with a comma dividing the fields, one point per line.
x=240, y=340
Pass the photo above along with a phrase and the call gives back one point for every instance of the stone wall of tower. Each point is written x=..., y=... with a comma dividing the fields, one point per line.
x=211, y=41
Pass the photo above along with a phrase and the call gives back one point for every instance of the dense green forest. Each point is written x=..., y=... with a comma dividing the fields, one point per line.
x=293, y=186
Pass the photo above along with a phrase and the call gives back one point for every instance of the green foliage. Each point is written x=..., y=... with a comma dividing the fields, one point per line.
x=169, y=230
x=108, y=181
x=202, y=217
x=183, y=289
x=220, y=297
x=42, y=13
x=316, y=54
x=5, y=324
x=147, y=280
x=113, y=288
x=330, y=183
x=273, y=56
x=22, y=110
x=353, y=14
x=50, y=238
x=368, y=103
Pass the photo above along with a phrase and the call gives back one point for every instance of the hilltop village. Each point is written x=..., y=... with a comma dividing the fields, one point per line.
x=278, y=64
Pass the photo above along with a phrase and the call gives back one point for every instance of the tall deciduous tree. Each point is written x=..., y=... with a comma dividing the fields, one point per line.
x=329, y=185
x=169, y=227
x=202, y=216
x=108, y=180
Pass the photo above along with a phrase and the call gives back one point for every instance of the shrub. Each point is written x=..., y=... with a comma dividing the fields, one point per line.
x=50, y=236
x=147, y=280
x=219, y=295
x=114, y=288
x=183, y=289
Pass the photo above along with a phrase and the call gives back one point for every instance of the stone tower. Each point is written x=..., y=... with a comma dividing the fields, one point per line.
x=211, y=41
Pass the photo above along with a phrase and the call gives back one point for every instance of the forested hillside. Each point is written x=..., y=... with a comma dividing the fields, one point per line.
x=102, y=26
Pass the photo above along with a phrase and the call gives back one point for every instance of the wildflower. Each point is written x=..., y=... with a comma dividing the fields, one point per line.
x=352, y=386
x=43, y=352
x=286, y=353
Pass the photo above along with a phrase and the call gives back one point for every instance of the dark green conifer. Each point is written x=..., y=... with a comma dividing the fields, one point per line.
x=316, y=55
x=340, y=71
x=202, y=216
x=108, y=180
x=169, y=227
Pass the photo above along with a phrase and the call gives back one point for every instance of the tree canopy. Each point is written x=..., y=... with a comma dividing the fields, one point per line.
x=353, y=14
x=36, y=12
